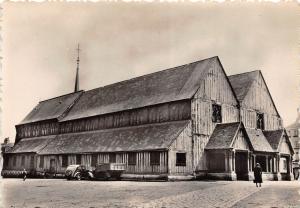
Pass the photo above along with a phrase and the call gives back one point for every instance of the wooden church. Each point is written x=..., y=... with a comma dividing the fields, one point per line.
x=191, y=121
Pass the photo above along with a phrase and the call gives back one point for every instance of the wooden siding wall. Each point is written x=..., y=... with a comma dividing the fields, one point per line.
x=272, y=122
x=154, y=114
x=180, y=110
x=284, y=147
x=200, y=142
x=215, y=89
x=202, y=115
x=216, y=161
x=182, y=144
x=259, y=100
x=241, y=142
x=142, y=162
x=37, y=129
x=47, y=163
x=19, y=165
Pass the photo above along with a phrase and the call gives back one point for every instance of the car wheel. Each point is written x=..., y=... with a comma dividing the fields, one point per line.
x=107, y=176
x=118, y=177
x=78, y=176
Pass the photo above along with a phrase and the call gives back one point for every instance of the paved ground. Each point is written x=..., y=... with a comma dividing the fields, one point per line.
x=42, y=193
x=282, y=194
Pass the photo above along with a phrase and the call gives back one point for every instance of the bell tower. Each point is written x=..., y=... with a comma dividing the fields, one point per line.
x=76, y=89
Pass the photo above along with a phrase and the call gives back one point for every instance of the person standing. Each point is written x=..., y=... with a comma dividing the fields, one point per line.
x=24, y=174
x=257, y=174
x=296, y=173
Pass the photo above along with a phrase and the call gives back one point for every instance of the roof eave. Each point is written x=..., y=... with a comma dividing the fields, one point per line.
x=104, y=152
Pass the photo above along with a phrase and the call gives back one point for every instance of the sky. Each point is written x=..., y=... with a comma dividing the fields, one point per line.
x=121, y=40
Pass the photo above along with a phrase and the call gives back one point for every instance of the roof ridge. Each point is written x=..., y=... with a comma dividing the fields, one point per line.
x=257, y=70
x=149, y=74
x=61, y=96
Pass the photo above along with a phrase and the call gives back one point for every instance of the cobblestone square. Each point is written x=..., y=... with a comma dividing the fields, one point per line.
x=44, y=193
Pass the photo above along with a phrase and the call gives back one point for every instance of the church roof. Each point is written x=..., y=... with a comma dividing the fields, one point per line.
x=135, y=138
x=223, y=136
x=259, y=141
x=169, y=85
x=274, y=137
x=31, y=145
x=241, y=83
x=51, y=108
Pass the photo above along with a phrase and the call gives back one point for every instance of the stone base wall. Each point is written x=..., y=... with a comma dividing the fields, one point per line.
x=274, y=176
x=181, y=178
x=286, y=176
x=269, y=176
x=144, y=177
x=230, y=176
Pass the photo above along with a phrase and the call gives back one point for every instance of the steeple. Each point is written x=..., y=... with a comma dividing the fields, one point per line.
x=77, y=71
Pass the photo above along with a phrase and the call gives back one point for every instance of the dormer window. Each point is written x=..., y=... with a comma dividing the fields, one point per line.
x=260, y=124
x=216, y=113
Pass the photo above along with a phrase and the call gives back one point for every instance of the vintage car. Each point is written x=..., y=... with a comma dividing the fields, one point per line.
x=106, y=171
x=78, y=172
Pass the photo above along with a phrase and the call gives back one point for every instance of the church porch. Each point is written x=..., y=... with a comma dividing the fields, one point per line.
x=228, y=153
x=267, y=162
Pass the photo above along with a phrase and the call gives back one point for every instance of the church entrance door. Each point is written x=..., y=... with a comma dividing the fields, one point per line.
x=52, y=165
x=241, y=165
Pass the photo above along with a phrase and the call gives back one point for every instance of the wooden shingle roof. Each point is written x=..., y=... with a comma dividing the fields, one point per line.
x=51, y=108
x=135, y=138
x=169, y=85
x=241, y=83
x=274, y=137
x=31, y=145
x=223, y=136
x=259, y=141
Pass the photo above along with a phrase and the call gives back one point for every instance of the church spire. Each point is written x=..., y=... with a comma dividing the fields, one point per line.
x=77, y=71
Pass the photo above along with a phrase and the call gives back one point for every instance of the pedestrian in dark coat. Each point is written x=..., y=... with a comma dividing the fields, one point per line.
x=24, y=174
x=257, y=175
x=296, y=173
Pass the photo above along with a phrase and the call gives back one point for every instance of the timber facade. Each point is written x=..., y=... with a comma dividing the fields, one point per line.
x=191, y=121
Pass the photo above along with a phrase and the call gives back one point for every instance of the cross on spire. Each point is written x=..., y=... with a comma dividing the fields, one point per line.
x=78, y=51
x=77, y=71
